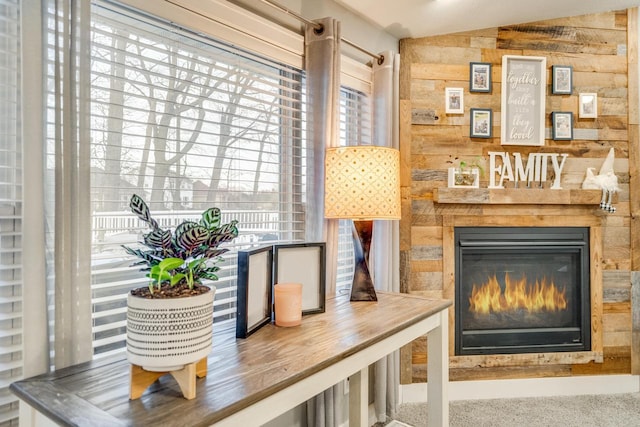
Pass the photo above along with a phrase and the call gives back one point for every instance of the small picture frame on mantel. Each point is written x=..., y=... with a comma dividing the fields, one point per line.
x=463, y=177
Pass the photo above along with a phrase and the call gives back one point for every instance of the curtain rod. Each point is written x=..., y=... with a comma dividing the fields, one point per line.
x=320, y=27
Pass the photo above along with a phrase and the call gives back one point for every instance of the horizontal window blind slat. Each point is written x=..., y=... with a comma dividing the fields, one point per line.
x=6, y=400
x=8, y=350
x=110, y=340
x=10, y=415
x=10, y=333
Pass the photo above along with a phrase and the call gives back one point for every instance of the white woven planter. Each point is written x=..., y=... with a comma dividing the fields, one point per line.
x=165, y=334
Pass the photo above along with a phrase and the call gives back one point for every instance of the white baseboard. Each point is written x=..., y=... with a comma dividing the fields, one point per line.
x=531, y=387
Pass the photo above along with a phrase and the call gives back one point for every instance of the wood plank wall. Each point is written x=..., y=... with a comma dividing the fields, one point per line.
x=602, y=49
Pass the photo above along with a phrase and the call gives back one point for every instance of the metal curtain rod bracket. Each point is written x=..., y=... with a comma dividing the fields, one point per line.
x=319, y=27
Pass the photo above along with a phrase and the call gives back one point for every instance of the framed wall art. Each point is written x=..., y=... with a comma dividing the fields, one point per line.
x=524, y=82
x=479, y=77
x=588, y=108
x=562, y=125
x=481, y=125
x=254, y=290
x=561, y=79
x=454, y=100
x=303, y=263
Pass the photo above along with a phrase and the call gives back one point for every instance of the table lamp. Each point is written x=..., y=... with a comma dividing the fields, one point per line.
x=362, y=183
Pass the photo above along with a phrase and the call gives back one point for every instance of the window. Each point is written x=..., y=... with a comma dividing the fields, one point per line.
x=187, y=123
x=11, y=286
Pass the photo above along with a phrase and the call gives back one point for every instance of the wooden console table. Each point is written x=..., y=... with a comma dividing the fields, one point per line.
x=251, y=381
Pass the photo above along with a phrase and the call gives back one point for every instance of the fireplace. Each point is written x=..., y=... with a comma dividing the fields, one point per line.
x=521, y=290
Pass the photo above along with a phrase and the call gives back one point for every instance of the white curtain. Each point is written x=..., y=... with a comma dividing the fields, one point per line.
x=385, y=245
x=36, y=341
x=322, y=65
x=70, y=247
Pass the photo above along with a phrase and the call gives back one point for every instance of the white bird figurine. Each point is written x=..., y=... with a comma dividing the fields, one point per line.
x=606, y=180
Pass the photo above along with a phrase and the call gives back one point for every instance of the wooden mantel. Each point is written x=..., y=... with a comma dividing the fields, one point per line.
x=512, y=196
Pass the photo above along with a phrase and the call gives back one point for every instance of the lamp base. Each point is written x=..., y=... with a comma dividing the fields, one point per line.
x=362, y=288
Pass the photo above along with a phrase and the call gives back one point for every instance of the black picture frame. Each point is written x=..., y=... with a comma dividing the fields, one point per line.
x=303, y=263
x=479, y=77
x=562, y=79
x=255, y=296
x=481, y=123
x=562, y=125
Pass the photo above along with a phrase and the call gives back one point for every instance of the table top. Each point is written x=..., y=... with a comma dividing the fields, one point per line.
x=240, y=371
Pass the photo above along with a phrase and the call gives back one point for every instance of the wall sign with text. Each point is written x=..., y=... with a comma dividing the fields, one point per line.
x=524, y=81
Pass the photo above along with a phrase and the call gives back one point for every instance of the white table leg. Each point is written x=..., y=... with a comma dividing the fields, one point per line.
x=438, y=373
x=359, y=398
x=30, y=417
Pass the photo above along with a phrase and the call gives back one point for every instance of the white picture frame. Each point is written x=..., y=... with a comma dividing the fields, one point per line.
x=588, y=106
x=454, y=100
x=472, y=179
x=524, y=85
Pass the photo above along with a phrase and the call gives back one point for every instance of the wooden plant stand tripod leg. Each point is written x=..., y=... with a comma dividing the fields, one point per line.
x=140, y=379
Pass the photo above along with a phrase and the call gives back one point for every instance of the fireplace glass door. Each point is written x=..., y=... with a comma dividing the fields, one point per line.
x=522, y=290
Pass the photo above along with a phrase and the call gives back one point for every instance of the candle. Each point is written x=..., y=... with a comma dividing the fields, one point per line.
x=288, y=304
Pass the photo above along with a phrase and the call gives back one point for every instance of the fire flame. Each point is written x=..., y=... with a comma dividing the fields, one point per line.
x=518, y=295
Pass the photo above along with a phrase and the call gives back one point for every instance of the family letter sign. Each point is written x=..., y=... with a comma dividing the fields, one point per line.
x=523, y=100
x=534, y=172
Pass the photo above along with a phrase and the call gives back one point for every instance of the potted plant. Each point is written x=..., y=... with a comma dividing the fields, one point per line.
x=465, y=176
x=170, y=321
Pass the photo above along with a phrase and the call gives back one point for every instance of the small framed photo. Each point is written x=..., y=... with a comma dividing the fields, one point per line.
x=562, y=125
x=454, y=100
x=479, y=77
x=562, y=79
x=303, y=263
x=254, y=290
x=481, y=123
x=588, y=108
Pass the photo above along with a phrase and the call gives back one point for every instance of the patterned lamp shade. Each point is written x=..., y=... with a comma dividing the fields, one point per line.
x=362, y=183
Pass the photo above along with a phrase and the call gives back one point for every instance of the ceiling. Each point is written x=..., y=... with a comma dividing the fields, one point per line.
x=421, y=18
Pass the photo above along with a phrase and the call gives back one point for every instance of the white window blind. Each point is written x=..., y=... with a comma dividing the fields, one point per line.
x=11, y=286
x=187, y=123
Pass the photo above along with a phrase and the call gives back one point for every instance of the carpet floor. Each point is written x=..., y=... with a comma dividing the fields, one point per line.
x=611, y=410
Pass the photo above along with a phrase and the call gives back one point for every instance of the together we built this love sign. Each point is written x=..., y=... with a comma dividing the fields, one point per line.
x=523, y=100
